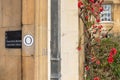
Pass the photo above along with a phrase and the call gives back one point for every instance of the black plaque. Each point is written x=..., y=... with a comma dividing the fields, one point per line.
x=13, y=39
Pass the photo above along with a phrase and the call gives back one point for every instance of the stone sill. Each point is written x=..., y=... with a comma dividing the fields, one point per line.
x=107, y=22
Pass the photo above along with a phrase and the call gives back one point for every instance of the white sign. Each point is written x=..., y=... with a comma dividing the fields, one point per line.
x=28, y=40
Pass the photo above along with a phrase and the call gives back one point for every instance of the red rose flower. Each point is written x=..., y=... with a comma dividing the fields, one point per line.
x=94, y=26
x=110, y=59
x=98, y=62
x=96, y=78
x=92, y=9
x=87, y=68
x=101, y=9
x=78, y=48
x=114, y=51
x=92, y=1
x=80, y=4
x=86, y=17
x=111, y=54
x=98, y=20
x=100, y=26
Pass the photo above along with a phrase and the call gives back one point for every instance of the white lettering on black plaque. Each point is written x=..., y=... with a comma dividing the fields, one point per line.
x=13, y=39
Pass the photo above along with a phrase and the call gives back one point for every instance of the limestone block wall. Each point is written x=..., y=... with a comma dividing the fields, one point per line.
x=10, y=59
x=116, y=18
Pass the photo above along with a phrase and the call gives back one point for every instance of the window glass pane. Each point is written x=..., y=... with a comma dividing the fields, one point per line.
x=55, y=67
x=106, y=14
x=54, y=28
x=54, y=79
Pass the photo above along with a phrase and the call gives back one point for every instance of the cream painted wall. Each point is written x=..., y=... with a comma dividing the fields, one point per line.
x=69, y=40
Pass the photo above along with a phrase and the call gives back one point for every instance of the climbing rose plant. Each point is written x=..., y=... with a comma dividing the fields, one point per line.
x=101, y=54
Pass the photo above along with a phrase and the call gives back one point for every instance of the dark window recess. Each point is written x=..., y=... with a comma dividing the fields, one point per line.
x=55, y=69
x=55, y=40
x=55, y=79
x=13, y=39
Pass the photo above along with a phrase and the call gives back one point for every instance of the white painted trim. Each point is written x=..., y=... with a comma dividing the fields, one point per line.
x=49, y=38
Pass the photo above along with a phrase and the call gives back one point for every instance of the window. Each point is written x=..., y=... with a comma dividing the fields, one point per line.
x=55, y=41
x=106, y=15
